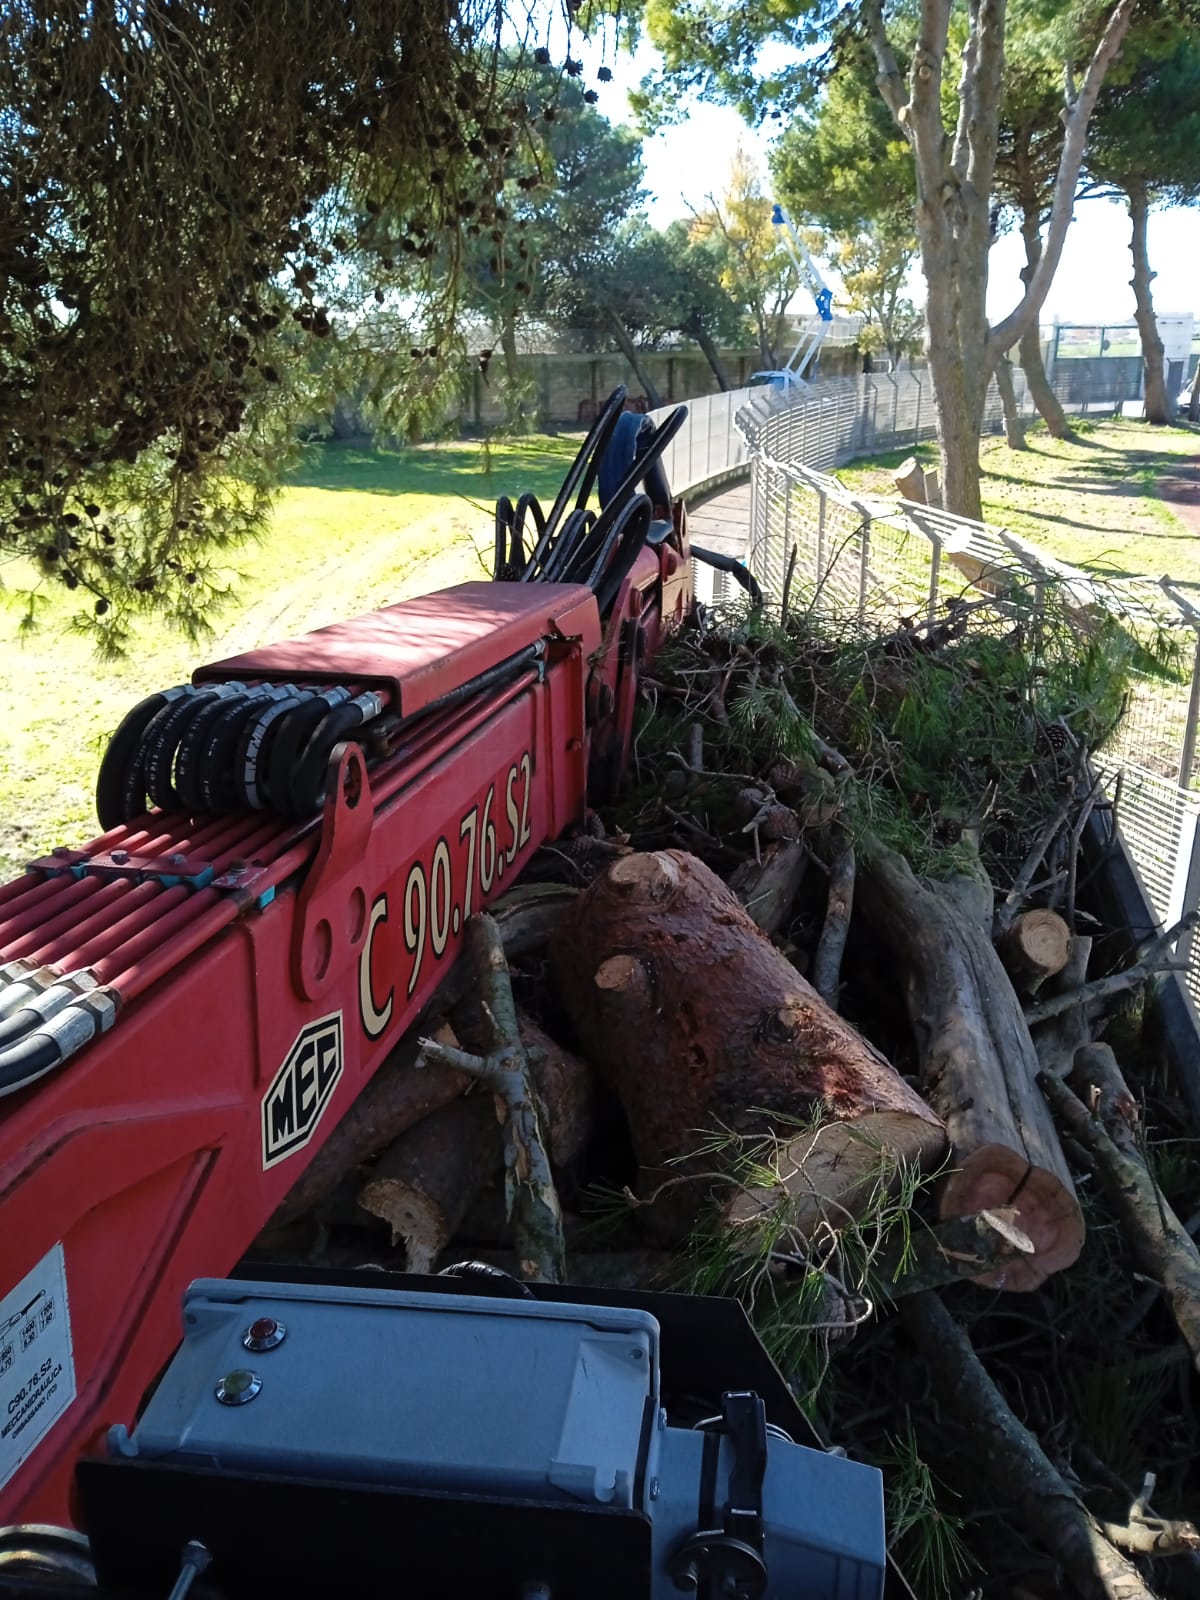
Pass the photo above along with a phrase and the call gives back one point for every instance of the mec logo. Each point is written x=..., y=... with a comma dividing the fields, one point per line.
x=301, y=1089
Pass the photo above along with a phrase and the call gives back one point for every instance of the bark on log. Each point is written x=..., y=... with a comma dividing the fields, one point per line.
x=768, y=888
x=1160, y=1243
x=567, y=1088
x=701, y=1025
x=1057, y=1040
x=1014, y=1460
x=423, y=1184
x=978, y=1067
x=1033, y=948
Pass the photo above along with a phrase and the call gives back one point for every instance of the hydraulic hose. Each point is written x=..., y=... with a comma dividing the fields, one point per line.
x=56, y=1039
x=120, y=786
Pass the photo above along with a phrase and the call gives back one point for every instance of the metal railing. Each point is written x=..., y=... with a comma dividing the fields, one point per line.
x=708, y=450
x=877, y=559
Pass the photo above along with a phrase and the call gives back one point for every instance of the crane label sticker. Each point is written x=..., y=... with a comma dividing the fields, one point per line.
x=301, y=1089
x=454, y=876
x=37, y=1363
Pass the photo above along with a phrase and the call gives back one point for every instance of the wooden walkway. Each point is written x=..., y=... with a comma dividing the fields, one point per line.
x=722, y=523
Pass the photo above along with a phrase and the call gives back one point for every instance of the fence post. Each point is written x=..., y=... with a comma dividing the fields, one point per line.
x=1191, y=888
x=1187, y=754
x=935, y=571
x=917, y=418
x=862, y=568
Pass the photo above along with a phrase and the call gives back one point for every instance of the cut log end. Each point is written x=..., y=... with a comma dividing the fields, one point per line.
x=651, y=876
x=1041, y=1206
x=416, y=1221
x=620, y=972
x=1034, y=948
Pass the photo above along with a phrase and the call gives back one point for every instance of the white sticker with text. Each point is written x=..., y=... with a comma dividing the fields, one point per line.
x=37, y=1366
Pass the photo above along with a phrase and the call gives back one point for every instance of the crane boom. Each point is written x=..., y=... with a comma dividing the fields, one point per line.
x=803, y=357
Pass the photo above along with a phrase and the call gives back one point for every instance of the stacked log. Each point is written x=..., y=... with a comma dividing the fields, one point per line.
x=705, y=1030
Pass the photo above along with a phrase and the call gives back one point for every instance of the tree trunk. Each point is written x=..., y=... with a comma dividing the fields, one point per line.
x=717, y=1048
x=630, y=352
x=1030, y=344
x=512, y=370
x=977, y=1062
x=956, y=362
x=1158, y=403
x=711, y=354
x=1014, y=428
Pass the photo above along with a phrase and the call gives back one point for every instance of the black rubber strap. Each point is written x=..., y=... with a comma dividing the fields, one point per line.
x=290, y=743
x=161, y=743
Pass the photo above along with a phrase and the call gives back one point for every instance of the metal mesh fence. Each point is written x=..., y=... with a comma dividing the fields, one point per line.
x=879, y=560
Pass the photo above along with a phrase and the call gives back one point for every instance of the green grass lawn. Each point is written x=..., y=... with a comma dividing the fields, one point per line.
x=352, y=530
x=1093, y=502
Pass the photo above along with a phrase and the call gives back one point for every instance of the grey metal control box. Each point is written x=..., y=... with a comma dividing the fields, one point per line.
x=549, y=1409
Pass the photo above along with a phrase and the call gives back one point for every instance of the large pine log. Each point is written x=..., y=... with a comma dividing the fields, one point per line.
x=978, y=1065
x=701, y=1026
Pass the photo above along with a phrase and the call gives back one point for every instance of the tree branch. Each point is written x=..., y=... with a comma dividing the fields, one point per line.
x=925, y=106
x=1152, y=958
x=533, y=1200
x=1012, y=1456
x=1076, y=117
x=968, y=86
x=888, y=77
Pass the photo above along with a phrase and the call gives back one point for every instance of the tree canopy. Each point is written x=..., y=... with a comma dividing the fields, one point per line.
x=178, y=181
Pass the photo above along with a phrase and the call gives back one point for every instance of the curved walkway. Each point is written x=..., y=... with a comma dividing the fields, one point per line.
x=722, y=522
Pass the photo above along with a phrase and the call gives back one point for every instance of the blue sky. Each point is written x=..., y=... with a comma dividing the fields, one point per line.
x=686, y=162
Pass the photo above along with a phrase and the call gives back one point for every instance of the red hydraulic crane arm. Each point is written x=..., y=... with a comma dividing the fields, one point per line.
x=294, y=844
x=247, y=1013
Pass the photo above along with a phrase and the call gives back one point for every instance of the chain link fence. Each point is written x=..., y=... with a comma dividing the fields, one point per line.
x=880, y=559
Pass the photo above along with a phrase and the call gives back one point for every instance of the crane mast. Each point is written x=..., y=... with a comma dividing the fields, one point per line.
x=803, y=358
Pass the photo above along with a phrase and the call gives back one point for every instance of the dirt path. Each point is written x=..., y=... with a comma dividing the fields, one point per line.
x=1181, y=491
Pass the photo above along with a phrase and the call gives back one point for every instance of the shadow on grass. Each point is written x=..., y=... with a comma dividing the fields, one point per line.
x=535, y=465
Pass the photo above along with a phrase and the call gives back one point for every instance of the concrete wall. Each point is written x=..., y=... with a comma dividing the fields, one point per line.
x=561, y=387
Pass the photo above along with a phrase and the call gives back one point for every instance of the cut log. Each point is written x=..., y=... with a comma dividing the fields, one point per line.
x=703, y=1028
x=423, y=1183
x=1057, y=1040
x=909, y=478
x=978, y=1067
x=398, y=1097
x=1034, y=948
x=400, y=1094
x=768, y=888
